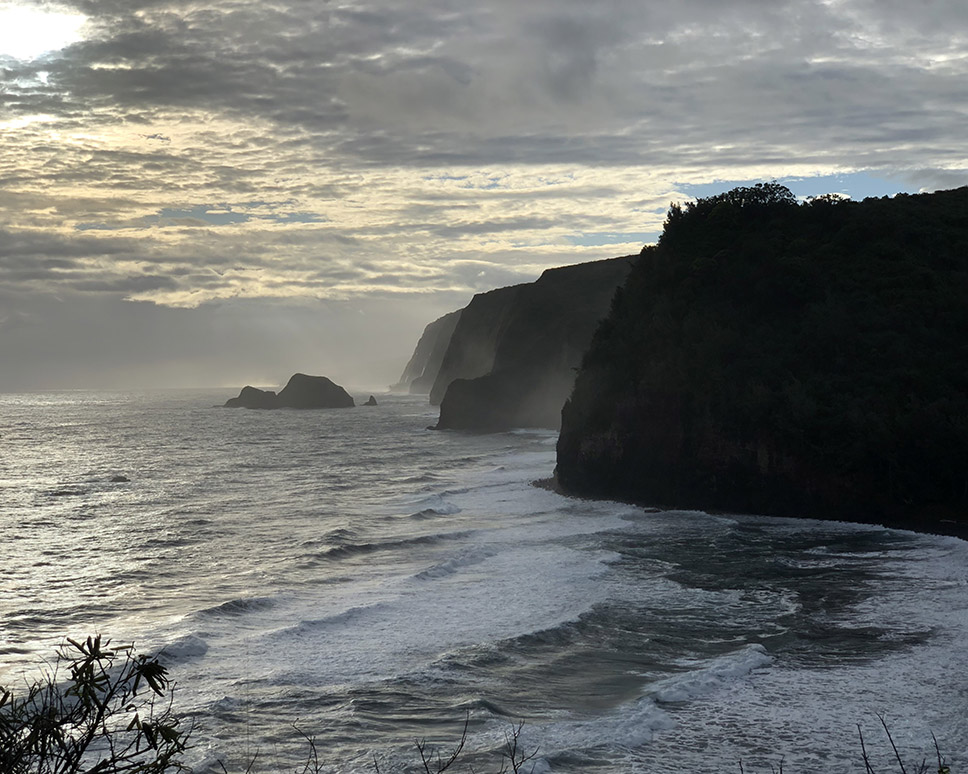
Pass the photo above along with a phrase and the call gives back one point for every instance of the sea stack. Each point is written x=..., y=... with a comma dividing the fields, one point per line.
x=301, y=392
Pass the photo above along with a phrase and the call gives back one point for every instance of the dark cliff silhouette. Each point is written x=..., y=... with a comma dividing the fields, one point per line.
x=473, y=345
x=513, y=355
x=421, y=371
x=795, y=359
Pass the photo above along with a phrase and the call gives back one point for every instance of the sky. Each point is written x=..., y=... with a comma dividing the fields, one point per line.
x=225, y=192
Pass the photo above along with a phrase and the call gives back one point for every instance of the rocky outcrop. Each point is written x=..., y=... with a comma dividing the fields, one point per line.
x=301, y=392
x=254, y=398
x=421, y=371
x=309, y=392
x=371, y=401
x=513, y=356
x=783, y=358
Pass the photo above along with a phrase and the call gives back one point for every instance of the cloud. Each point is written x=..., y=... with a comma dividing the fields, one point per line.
x=188, y=153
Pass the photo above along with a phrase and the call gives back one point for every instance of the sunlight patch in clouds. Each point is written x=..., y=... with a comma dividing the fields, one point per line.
x=28, y=32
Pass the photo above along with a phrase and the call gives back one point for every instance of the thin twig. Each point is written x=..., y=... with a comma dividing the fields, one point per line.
x=890, y=738
x=942, y=766
x=867, y=761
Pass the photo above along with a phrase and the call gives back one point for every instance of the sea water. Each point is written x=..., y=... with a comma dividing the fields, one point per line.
x=355, y=577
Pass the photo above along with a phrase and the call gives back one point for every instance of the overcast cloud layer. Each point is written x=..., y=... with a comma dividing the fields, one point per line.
x=211, y=192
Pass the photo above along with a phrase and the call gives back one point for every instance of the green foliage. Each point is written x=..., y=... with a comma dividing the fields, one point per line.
x=98, y=710
x=800, y=359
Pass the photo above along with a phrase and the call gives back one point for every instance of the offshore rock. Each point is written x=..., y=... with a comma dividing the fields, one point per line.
x=371, y=401
x=310, y=392
x=301, y=392
x=254, y=398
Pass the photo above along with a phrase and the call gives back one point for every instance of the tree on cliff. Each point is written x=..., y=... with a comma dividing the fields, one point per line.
x=773, y=357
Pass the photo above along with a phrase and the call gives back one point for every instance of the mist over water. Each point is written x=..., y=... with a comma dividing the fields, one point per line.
x=373, y=582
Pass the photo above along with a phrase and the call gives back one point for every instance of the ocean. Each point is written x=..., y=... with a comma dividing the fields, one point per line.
x=351, y=575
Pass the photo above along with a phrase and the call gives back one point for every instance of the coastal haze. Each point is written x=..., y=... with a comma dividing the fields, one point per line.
x=227, y=193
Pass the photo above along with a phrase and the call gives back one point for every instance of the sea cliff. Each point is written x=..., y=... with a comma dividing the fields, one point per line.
x=512, y=357
x=421, y=370
x=796, y=359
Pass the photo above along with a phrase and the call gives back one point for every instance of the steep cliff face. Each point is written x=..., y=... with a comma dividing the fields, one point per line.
x=473, y=345
x=773, y=357
x=512, y=360
x=424, y=365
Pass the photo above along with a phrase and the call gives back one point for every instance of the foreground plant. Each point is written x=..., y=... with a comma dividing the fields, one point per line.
x=105, y=710
x=98, y=710
x=921, y=768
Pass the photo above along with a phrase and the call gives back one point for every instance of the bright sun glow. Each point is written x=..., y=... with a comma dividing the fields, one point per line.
x=28, y=32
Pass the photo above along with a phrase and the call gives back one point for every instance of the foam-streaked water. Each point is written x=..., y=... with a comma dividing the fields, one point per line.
x=377, y=582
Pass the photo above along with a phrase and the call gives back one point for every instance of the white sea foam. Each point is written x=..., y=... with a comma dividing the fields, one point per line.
x=702, y=679
x=185, y=647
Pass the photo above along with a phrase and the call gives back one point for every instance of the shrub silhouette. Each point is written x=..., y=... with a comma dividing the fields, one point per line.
x=99, y=710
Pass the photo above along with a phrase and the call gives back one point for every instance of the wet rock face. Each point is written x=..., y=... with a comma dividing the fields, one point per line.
x=301, y=392
x=421, y=371
x=472, y=348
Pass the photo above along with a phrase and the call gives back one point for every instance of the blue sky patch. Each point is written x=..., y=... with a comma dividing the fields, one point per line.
x=601, y=238
x=856, y=185
x=203, y=212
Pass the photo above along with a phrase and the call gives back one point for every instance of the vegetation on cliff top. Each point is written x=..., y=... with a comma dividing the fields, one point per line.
x=776, y=357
